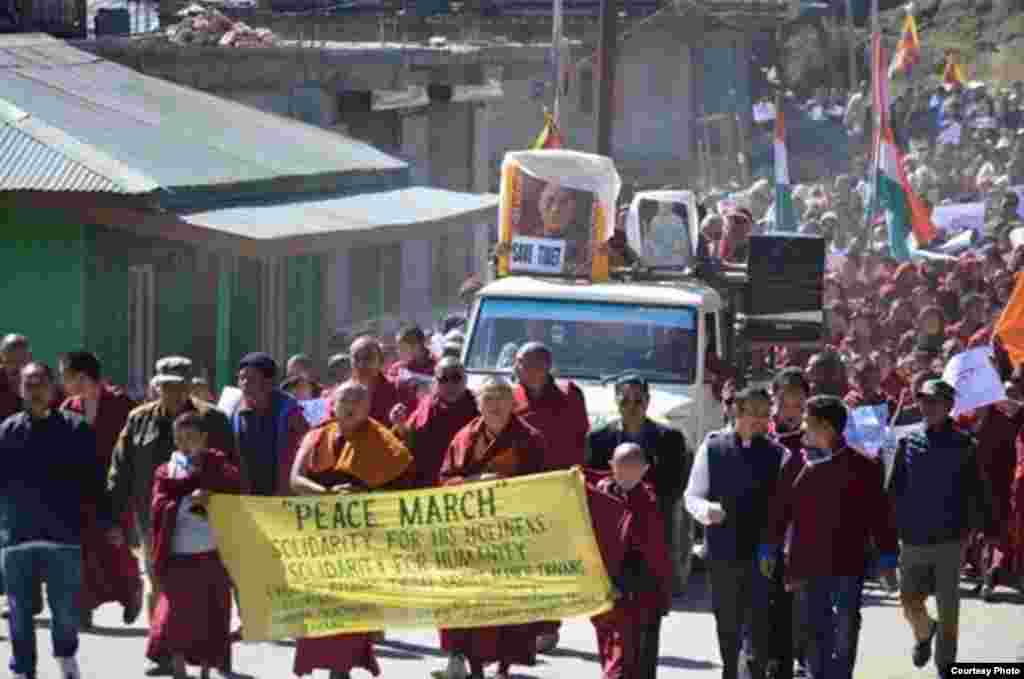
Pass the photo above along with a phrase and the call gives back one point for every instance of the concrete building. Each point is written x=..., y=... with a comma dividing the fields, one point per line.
x=142, y=218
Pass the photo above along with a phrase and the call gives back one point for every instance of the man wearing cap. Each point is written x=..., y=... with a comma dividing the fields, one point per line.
x=268, y=425
x=559, y=412
x=729, y=491
x=938, y=496
x=145, y=443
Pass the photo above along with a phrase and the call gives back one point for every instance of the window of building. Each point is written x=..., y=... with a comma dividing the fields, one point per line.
x=142, y=324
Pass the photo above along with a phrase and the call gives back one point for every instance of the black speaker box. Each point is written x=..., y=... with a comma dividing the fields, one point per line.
x=786, y=274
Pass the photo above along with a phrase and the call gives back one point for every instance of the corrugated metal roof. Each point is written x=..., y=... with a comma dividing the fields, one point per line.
x=35, y=157
x=400, y=208
x=177, y=136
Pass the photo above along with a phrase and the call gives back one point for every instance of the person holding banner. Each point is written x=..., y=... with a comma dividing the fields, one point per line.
x=498, y=444
x=192, y=620
x=350, y=453
x=367, y=369
x=559, y=412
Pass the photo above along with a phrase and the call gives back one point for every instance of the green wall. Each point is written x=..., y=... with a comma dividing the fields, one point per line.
x=108, y=301
x=238, y=315
x=41, y=276
x=304, y=304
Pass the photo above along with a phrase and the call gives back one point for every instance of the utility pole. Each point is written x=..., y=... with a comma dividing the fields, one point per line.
x=606, y=52
x=851, y=46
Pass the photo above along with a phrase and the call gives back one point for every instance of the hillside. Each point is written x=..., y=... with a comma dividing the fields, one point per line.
x=989, y=33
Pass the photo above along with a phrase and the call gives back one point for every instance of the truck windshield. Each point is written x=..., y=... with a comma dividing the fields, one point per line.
x=588, y=339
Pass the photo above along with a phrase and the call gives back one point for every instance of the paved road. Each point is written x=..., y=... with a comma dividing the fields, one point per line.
x=990, y=632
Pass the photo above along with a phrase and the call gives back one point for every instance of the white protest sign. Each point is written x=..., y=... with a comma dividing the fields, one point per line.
x=950, y=135
x=958, y=244
x=537, y=255
x=229, y=400
x=959, y=217
x=867, y=428
x=984, y=123
x=764, y=111
x=975, y=379
x=1017, y=237
x=315, y=410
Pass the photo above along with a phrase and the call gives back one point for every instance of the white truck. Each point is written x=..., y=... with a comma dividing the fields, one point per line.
x=661, y=328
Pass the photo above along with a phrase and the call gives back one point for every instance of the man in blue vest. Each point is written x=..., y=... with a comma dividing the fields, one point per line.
x=938, y=496
x=731, y=484
x=269, y=426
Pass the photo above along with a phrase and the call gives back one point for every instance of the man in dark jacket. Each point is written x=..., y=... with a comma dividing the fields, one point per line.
x=667, y=455
x=49, y=472
x=938, y=497
x=730, y=489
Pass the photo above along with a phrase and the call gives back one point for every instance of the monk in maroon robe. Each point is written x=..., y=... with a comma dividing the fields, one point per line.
x=559, y=412
x=109, y=572
x=628, y=636
x=351, y=453
x=192, y=619
x=498, y=444
x=996, y=432
x=429, y=430
x=367, y=364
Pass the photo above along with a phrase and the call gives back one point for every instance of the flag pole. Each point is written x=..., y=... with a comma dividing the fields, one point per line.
x=558, y=57
x=877, y=115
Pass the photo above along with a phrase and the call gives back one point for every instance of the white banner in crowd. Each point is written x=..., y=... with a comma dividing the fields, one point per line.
x=315, y=410
x=975, y=379
x=950, y=135
x=764, y=111
x=959, y=217
x=868, y=428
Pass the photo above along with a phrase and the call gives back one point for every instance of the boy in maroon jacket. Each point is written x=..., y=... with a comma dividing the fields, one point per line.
x=834, y=498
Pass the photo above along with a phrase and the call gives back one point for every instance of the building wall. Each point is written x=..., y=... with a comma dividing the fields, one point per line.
x=41, y=273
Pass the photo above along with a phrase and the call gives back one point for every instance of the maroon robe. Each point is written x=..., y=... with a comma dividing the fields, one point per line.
x=347, y=651
x=10, y=401
x=109, y=572
x=560, y=414
x=193, y=612
x=384, y=396
x=641, y=536
x=408, y=389
x=517, y=451
x=432, y=426
x=997, y=460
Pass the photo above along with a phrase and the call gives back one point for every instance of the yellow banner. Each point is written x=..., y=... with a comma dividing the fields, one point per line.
x=491, y=553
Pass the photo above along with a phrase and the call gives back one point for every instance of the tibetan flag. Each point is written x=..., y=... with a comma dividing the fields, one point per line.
x=785, y=217
x=953, y=74
x=908, y=49
x=549, y=137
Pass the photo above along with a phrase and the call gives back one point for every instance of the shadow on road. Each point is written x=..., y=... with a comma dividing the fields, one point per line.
x=113, y=632
x=663, y=660
x=404, y=651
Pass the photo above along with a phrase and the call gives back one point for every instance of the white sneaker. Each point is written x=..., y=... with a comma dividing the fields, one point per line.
x=69, y=668
x=457, y=667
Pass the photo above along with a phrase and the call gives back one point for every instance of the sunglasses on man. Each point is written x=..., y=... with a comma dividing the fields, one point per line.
x=451, y=378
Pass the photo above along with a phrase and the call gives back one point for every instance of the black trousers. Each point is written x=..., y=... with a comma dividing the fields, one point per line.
x=649, y=647
x=739, y=593
x=781, y=610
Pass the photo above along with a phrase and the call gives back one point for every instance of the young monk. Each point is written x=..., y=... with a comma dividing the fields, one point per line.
x=350, y=453
x=628, y=636
x=192, y=619
x=498, y=444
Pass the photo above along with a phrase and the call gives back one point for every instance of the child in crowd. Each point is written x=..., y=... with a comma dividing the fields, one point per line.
x=192, y=619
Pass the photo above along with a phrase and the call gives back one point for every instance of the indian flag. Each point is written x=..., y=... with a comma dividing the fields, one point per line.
x=785, y=218
x=905, y=214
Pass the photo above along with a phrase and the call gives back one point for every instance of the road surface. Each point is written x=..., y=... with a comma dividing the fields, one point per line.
x=989, y=632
